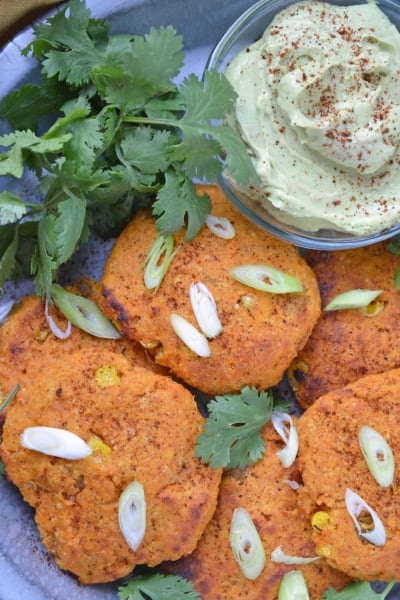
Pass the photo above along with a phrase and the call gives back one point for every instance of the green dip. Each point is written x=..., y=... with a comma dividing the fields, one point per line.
x=319, y=108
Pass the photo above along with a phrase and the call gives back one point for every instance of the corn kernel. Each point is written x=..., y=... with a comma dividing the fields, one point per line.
x=107, y=376
x=100, y=450
x=373, y=309
x=324, y=551
x=320, y=520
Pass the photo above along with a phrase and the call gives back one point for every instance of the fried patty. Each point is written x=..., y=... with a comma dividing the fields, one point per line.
x=26, y=341
x=330, y=461
x=263, y=490
x=262, y=332
x=142, y=427
x=348, y=344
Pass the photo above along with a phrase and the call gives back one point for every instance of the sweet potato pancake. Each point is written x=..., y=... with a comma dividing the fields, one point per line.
x=263, y=490
x=348, y=344
x=141, y=427
x=331, y=461
x=262, y=332
x=27, y=343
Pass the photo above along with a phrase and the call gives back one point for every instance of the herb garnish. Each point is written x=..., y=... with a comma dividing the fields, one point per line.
x=122, y=134
x=231, y=435
x=10, y=396
x=158, y=587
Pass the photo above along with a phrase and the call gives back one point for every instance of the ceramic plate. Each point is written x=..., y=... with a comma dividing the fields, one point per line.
x=26, y=569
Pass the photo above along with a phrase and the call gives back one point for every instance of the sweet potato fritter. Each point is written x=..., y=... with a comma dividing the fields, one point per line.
x=348, y=344
x=263, y=490
x=27, y=343
x=141, y=426
x=330, y=461
x=262, y=332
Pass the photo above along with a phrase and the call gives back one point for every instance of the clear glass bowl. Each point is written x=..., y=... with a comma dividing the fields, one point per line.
x=242, y=33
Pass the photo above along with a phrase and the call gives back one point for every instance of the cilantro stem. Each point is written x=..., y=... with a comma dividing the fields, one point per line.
x=151, y=121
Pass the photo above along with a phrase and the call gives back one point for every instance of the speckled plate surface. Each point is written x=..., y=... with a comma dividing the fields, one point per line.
x=26, y=569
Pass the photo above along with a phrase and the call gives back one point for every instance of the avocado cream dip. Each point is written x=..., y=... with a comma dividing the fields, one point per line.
x=319, y=108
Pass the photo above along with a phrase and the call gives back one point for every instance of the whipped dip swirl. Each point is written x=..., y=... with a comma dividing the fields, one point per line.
x=319, y=109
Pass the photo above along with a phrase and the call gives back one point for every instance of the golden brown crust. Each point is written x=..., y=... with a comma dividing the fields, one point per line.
x=262, y=332
x=144, y=428
x=348, y=344
x=261, y=489
x=331, y=461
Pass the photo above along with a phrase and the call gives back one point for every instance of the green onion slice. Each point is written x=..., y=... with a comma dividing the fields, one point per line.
x=267, y=279
x=279, y=556
x=10, y=396
x=194, y=339
x=356, y=506
x=284, y=426
x=357, y=298
x=158, y=260
x=378, y=455
x=246, y=544
x=221, y=227
x=83, y=313
x=5, y=309
x=55, y=442
x=132, y=514
x=293, y=587
x=205, y=309
x=57, y=331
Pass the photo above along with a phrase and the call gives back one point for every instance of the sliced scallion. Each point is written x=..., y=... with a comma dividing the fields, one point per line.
x=246, y=544
x=158, y=260
x=190, y=336
x=205, y=309
x=221, y=227
x=10, y=396
x=367, y=523
x=83, y=313
x=132, y=514
x=378, y=455
x=279, y=556
x=267, y=279
x=284, y=426
x=357, y=298
x=293, y=586
x=5, y=309
x=55, y=442
x=61, y=334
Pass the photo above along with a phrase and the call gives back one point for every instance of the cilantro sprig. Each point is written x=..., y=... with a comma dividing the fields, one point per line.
x=158, y=587
x=107, y=130
x=231, y=435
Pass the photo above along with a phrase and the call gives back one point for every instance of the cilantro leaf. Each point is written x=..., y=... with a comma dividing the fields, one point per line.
x=231, y=435
x=44, y=263
x=12, y=162
x=8, y=246
x=24, y=107
x=357, y=591
x=178, y=200
x=147, y=62
x=66, y=46
x=158, y=587
x=12, y=208
x=153, y=144
x=68, y=226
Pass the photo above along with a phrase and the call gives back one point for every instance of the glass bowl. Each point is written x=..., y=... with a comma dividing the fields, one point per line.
x=246, y=30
